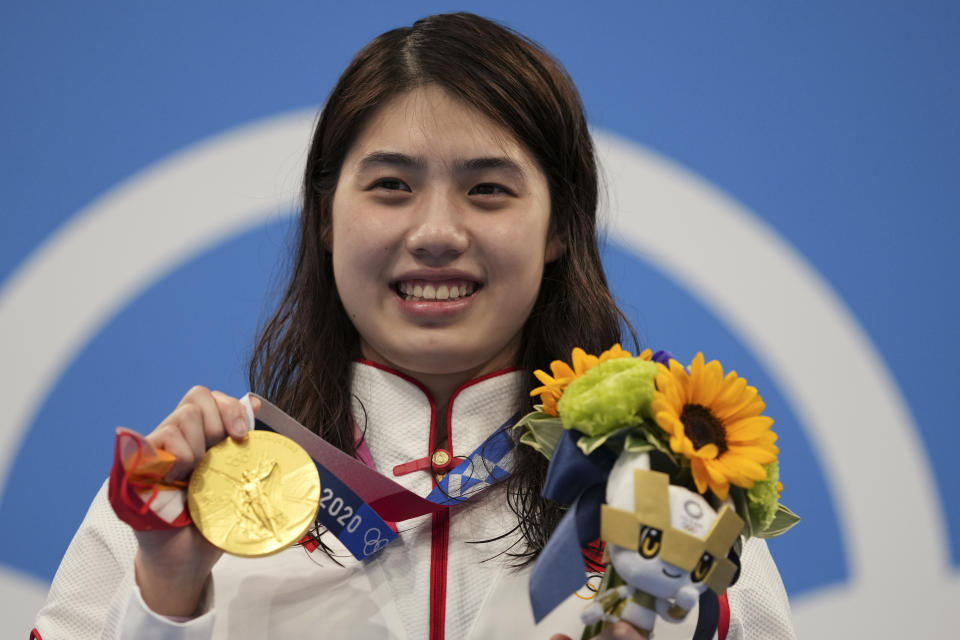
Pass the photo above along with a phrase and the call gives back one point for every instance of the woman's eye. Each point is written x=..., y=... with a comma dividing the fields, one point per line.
x=391, y=184
x=488, y=189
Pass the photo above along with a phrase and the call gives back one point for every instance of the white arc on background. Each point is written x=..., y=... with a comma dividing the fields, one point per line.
x=737, y=267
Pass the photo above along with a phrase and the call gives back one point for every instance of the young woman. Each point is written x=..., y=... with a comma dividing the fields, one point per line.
x=447, y=248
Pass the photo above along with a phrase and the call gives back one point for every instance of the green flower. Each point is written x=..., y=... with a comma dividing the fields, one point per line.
x=763, y=497
x=610, y=396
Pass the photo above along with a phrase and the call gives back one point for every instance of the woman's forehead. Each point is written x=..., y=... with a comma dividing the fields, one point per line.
x=431, y=126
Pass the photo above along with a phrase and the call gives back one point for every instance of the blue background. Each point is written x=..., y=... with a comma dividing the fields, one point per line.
x=835, y=124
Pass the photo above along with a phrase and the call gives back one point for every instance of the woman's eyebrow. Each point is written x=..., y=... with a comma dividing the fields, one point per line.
x=391, y=159
x=499, y=163
x=376, y=159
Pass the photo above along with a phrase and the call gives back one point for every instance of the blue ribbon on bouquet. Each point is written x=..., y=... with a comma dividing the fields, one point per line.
x=577, y=480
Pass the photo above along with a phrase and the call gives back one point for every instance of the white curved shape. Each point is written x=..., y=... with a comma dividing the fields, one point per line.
x=21, y=596
x=739, y=268
x=64, y=293
x=113, y=249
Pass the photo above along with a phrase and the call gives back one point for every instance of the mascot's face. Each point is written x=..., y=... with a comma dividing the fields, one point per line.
x=645, y=568
x=663, y=538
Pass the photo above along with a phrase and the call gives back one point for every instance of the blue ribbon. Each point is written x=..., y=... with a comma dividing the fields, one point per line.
x=709, y=616
x=361, y=529
x=489, y=463
x=579, y=481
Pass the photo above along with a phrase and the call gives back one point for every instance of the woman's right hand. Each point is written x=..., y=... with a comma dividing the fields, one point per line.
x=173, y=565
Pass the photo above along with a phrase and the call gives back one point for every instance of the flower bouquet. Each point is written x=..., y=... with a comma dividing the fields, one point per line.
x=667, y=466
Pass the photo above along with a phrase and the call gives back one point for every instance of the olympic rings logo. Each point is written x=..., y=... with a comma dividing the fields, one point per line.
x=372, y=544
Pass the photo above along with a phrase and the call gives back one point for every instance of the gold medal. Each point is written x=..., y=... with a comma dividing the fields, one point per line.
x=254, y=497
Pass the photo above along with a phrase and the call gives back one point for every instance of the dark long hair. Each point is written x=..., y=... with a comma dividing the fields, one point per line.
x=303, y=356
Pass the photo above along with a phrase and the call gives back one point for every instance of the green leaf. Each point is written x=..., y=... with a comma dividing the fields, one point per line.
x=589, y=444
x=652, y=435
x=636, y=443
x=645, y=438
x=543, y=432
x=528, y=439
x=782, y=522
x=534, y=416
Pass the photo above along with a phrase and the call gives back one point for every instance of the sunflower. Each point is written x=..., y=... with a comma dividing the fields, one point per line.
x=715, y=422
x=553, y=385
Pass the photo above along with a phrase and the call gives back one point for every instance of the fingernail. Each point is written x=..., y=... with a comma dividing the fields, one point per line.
x=239, y=428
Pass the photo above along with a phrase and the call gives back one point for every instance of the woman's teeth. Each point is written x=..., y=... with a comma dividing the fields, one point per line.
x=435, y=291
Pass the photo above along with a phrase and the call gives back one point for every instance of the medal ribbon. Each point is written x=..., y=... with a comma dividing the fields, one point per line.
x=489, y=463
x=357, y=502
x=136, y=489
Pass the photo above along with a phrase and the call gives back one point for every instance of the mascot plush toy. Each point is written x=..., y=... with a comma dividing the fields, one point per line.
x=665, y=545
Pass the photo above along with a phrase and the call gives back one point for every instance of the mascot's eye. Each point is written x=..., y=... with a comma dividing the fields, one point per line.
x=703, y=568
x=649, y=542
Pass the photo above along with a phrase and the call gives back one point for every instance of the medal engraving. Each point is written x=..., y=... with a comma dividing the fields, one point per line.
x=254, y=497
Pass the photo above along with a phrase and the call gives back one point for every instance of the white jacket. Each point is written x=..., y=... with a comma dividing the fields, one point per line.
x=299, y=594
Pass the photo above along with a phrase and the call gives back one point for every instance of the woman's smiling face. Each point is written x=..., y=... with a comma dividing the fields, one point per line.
x=439, y=237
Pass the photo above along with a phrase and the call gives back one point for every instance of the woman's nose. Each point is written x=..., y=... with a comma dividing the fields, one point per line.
x=437, y=233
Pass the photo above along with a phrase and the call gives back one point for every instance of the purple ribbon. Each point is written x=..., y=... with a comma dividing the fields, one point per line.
x=663, y=357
